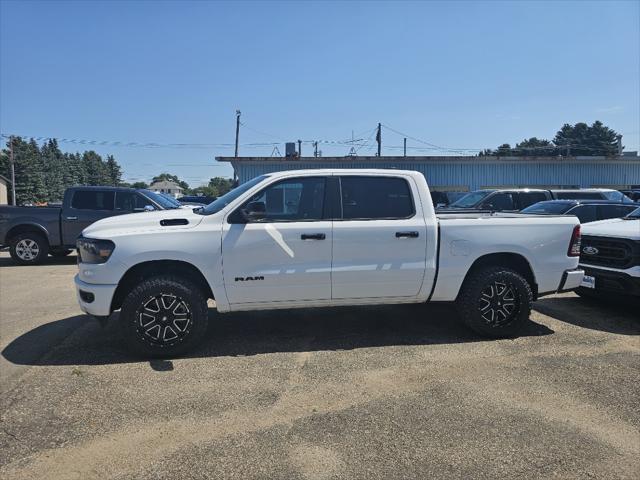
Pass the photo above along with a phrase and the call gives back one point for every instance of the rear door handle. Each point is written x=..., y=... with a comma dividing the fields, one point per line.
x=72, y=218
x=313, y=236
x=407, y=234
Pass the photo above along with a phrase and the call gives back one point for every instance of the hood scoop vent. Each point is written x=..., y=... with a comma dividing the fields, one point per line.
x=170, y=222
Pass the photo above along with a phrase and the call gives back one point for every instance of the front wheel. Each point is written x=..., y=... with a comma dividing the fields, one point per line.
x=29, y=248
x=495, y=302
x=164, y=316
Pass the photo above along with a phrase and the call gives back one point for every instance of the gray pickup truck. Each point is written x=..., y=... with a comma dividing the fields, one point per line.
x=31, y=233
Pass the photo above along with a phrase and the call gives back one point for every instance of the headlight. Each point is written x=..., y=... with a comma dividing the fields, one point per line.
x=91, y=250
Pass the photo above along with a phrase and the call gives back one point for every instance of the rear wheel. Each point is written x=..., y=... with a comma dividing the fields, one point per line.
x=164, y=316
x=29, y=248
x=495, y=302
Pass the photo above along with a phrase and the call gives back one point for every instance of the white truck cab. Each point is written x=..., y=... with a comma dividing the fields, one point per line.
x=319, y=238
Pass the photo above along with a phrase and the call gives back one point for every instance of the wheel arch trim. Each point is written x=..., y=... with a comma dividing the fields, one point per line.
x=152, y=268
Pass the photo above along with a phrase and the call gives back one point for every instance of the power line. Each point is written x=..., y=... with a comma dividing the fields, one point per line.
x=152, y=145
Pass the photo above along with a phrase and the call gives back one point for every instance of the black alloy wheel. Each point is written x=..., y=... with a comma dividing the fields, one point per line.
x=164, y=319
x=498, y=303
x=164, y=316
x=495, y=301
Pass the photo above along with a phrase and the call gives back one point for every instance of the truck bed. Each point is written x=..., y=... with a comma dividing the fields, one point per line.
x=47, y=218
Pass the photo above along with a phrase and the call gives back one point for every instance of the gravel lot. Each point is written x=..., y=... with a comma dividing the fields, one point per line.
x=392, y=392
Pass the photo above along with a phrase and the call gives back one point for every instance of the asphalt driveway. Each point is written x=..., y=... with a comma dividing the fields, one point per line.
x=391, y=392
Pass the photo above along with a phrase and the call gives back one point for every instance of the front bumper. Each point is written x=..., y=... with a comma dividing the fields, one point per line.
x=611, y=281
x=94, y=299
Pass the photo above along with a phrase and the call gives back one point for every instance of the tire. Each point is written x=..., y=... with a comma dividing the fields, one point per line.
x=29, y=248
x=495, y=302
x=154, y=325
x=60, y=253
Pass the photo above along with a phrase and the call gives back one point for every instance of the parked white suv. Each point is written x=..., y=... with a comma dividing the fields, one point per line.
x=318, y=238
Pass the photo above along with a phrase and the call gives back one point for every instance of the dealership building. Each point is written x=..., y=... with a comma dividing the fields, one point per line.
x=462, y=174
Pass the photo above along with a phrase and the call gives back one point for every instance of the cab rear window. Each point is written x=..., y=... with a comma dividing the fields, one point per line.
x=92, y=200
x=370, y=198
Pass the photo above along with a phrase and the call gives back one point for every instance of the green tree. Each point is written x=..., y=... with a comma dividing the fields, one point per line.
x=139, y=185
x=504, y=150
x=53, y=169
x=114, y=170
x=582, y=139
x=217, y=187
x=97, y=171
x=533, y=147
x=221, y=185
x=30, y=185
x=75, y=172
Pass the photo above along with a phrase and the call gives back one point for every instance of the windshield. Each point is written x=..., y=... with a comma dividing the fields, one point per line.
x=547, y=208
x=617, y=197
x=470, y=199
x=635, y=214
x=170, y=199
x=159, y=199
x=221, y=202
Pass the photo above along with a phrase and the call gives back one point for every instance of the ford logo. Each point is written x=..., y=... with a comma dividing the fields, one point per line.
x=590, y=250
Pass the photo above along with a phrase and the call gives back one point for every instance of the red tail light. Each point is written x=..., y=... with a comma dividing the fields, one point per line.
x=574, y=245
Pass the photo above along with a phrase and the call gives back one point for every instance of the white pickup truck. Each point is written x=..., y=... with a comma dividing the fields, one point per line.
x=319, y=238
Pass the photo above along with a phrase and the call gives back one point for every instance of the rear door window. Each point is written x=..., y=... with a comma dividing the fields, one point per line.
x=613, y=211
x=499, y=201
x=92, y=200
x=371, y=198
x=529, y=198
x=579, y=196
x=585, y=213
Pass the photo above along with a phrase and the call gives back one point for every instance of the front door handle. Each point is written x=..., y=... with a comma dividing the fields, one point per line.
x=313, y=236
x=71, y=218
x=407, y=234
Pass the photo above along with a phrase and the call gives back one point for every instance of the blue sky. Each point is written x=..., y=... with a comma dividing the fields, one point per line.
x=455, y=74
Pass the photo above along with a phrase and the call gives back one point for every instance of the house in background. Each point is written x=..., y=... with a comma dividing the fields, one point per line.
x=170, y=188
x=4, y=190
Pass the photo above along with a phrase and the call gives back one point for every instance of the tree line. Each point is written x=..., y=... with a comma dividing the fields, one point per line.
x=571, y=140
x=42, y=173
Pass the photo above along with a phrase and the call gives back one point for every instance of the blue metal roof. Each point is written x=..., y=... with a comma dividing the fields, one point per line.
x=470, y=172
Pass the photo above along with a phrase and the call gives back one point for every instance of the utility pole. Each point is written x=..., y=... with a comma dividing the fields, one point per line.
x=315, y=149
x=405, y=146
x=237, y=131
x=13, y=172
x=379, y=138
x=299, y=148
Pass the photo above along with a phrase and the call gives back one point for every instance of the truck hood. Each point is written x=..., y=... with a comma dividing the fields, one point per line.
x=615, y=227
x=146, y=222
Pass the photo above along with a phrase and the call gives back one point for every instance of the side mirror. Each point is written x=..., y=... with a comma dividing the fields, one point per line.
x=254, y=211
x=146, y=208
